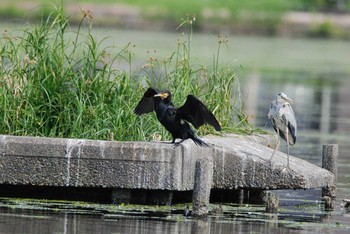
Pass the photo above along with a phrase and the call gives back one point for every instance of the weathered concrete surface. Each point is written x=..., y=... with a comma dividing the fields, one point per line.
x=237, y=163
x=271, y=200
x=203, y=176
x=75, y=162
x=329, y=162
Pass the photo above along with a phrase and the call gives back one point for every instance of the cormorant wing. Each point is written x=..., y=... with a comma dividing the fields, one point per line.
x=195, y=112
x=146, y=104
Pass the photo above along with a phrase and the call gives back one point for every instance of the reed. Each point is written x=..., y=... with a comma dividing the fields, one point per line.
x=57, y=85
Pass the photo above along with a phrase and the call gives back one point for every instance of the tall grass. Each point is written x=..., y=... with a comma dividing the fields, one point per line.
x=56, y=85
x=218, y=87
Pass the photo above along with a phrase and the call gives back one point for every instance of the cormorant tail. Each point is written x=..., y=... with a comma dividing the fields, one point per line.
x=199, y=142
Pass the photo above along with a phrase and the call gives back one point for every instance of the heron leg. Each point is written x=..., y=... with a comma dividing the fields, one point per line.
x=287, y=134
x=277, y=144
x=287, y=147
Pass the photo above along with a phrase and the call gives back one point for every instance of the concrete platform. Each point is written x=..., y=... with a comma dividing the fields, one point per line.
x=238, y=163
x=243, y=164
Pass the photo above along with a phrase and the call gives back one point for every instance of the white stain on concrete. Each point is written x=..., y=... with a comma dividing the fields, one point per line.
x=102, y=148
x=80, y=145
x=71, y=145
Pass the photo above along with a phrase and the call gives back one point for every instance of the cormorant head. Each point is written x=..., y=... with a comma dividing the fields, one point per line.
x=283, y=97
x=164, y=95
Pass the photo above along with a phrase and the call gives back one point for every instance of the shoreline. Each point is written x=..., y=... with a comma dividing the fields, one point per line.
x=291, y=24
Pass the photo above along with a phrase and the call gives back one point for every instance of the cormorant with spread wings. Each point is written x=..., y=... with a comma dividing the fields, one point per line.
x=176, y=120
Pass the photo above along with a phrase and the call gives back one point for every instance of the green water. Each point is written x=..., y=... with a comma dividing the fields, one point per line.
x=318, y=56
x=250, y=53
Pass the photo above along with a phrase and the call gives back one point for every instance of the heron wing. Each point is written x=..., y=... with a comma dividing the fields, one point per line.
x=282, y=115
x=287, y=113
x=273, y=111
x=195, y=112
x=146, y=104
x=293, y=132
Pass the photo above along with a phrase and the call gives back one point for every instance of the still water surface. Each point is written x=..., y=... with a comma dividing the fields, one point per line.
x=323, y=115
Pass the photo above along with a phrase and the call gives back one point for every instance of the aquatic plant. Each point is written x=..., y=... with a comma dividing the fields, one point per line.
x=58, y=85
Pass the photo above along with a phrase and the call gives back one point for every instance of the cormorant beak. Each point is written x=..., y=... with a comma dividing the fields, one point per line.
x=162, y=95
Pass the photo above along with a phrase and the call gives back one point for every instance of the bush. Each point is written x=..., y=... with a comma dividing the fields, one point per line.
x=326, y=30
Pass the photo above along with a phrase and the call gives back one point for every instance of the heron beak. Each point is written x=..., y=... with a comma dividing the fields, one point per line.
x=161, y=95
x=289, y=100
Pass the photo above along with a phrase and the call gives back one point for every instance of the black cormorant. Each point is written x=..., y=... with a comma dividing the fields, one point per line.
x=175, y=120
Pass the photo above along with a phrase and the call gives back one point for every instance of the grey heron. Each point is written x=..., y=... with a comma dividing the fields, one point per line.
x=283, y=121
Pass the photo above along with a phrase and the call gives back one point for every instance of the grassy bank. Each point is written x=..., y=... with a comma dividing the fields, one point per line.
x=265, y=17
x=160, y=9
x=247, y=16
x=61, y=83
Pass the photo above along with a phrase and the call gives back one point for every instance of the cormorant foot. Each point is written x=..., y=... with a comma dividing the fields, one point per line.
x=176, y=144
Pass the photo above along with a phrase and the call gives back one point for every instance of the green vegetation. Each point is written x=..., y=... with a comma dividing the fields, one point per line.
x=259, y=17
x=327, y=30
x=217, y=10
x=262, y=16
x=57, y=85
x=226, y=8
x=324, y=5
x=25, y=9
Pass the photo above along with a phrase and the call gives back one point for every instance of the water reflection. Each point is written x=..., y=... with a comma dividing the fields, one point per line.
x=24, y=221
x=322, y=112
x=38, y=222
x=317, y=105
